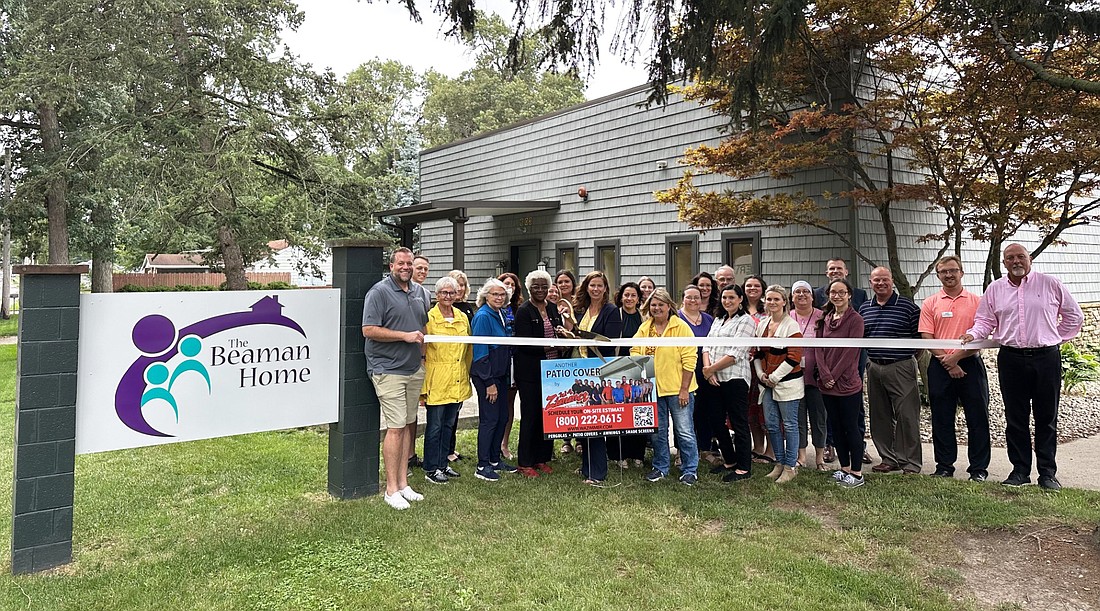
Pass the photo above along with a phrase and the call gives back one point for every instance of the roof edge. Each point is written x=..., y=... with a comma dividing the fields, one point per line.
x=549, y=115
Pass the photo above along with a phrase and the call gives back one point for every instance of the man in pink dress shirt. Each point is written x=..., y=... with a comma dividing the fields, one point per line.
x=1029, y=314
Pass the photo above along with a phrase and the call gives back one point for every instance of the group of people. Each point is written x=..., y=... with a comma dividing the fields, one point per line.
x=608, y=392
x=737, y=403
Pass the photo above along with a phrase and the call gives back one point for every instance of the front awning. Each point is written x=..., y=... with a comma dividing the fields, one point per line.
x=458, y=212
x=450, y=209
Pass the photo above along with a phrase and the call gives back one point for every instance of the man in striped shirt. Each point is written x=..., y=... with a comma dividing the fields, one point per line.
x=892, y=393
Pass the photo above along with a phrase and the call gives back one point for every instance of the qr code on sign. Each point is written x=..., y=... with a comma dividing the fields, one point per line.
x=643, y=416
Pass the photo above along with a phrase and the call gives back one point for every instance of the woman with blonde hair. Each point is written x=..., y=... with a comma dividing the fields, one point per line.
x=780, y=373
x=674, y=370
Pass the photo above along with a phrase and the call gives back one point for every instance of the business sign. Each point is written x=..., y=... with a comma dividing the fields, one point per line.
x=591, y=397
x=158, y=368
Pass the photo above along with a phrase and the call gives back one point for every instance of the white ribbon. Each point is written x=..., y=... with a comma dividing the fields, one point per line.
x=769, y=342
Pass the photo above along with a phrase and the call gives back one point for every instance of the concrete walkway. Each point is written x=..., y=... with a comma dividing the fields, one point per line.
x=1078, y=460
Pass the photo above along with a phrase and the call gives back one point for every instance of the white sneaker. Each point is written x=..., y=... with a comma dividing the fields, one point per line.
x=410, y=495
x=396, y=501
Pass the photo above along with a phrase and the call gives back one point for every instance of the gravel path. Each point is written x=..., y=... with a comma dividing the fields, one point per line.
x=1078, y=414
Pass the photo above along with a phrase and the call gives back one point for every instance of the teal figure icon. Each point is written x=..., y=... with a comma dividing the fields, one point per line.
x=190, y=347
x=155, y=376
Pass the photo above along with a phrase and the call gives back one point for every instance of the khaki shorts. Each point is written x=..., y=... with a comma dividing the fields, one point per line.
x=398, y=396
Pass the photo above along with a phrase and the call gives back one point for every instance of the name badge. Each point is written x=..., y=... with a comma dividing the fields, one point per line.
x=948, y=314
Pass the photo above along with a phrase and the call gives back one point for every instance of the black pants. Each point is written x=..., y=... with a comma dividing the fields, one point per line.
x=734, y=397
x=626, y=447
x=811, y=419
x=533, y=449
x=844, y=413
x=1031, y=383
x=945, y=393
x=708, y=409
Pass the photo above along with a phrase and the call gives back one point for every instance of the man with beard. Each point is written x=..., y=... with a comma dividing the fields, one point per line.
x=1029, y=314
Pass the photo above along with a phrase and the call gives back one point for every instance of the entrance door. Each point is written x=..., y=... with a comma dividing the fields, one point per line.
x=523, y=258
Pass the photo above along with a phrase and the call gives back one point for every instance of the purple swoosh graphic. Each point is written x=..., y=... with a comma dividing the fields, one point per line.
x=154, y=333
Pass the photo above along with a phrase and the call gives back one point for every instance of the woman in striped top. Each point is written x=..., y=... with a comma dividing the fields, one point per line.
x=780, y=373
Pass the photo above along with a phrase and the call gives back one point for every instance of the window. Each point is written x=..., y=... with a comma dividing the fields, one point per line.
x=566, y=257
x=607, y=261
x=681, y=261
x=742, y=253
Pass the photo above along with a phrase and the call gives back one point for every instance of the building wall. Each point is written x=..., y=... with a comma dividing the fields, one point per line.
x=613, y=148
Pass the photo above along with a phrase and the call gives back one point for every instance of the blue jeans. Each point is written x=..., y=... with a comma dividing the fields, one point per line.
x=668, y=409
x=437, y=434
x=783, y=414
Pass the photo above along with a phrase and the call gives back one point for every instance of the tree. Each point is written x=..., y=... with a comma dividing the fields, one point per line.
x=834, y=106
x=495, y=92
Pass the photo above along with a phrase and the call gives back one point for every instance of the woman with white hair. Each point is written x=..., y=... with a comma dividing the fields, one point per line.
x=780, y=373
x=446, y=379
x=466, y=308
x=538, y=318
x=490, y=376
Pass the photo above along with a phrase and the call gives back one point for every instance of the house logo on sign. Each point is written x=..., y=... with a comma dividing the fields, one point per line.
x=150, y=378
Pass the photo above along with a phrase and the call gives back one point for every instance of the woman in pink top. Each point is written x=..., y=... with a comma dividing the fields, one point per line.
x=837, y=373
x=812, y=409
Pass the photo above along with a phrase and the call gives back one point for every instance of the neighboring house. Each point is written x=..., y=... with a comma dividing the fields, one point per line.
x=508, y=200
x=295, y=260
x=183, y=263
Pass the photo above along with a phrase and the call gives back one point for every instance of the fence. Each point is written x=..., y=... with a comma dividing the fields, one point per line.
x=193, y=279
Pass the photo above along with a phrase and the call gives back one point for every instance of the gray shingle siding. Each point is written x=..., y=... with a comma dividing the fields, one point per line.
x=612, y=147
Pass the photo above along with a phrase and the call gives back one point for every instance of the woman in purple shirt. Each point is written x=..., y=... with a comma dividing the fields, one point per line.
x=694, y=314
x=837, y=373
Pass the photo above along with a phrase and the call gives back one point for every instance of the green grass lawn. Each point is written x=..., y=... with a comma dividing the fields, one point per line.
x=246, y=523
x=9, y=327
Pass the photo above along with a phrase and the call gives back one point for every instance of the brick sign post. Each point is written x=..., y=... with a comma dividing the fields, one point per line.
x=45, y=417
x=353, y=460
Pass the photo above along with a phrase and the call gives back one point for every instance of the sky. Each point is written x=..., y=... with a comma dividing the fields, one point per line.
x=342, y=34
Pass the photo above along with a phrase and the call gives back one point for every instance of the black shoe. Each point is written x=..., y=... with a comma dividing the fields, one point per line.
x=1017, y=479
x=414, y=462
x=979, y=476
x=436, y=477
x=449, y=472
x=720, y=469
x=867, y=458
x=943, y=473
x=734, y=476
x=1049, y=482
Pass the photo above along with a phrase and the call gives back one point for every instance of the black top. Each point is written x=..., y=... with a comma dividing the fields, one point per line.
x=631, y=324
x=607, y=324
x=465, y=307
x=526, y=359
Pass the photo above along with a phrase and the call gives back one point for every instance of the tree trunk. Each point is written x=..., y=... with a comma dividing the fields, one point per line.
x=56, y=191
x=102, y=273
x=992, y=261
x=232, y=259
x=5, y=196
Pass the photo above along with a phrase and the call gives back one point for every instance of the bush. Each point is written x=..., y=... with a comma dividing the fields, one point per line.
x=1078, y=367
x=279, y=285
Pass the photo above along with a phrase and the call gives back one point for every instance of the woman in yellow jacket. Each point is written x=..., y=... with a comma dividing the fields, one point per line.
x=674, y=369
x=446, y=380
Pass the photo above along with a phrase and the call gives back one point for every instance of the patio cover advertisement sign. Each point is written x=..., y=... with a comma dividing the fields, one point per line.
x=596, y=396
x=158, y=368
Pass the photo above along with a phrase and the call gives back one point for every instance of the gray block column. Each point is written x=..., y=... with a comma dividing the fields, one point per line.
x=353, y=442
x=45, y=417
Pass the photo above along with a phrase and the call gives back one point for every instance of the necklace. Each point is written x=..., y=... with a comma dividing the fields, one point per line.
x=694, y=321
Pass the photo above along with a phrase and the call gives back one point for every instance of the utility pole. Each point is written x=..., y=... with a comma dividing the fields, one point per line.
x=5, y=252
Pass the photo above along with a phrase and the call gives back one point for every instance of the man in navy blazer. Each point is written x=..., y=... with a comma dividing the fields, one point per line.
x=837, y=269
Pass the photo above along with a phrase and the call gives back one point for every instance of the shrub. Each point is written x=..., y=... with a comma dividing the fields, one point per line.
x=1078, y=367
x=279, y=285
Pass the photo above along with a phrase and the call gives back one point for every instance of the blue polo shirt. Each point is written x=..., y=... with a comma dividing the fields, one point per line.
x=388, y=305
x=899, y=318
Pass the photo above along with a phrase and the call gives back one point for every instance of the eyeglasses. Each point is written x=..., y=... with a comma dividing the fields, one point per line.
x=493, y=294
x=801, y=292
x=949, y=272
x=690, y=298
x=838, y=293
x=446, y=293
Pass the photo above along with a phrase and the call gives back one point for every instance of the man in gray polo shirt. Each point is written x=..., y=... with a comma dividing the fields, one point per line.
x=395, y=312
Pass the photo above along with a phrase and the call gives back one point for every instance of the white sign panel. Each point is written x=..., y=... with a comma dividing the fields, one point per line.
x=164, y=367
